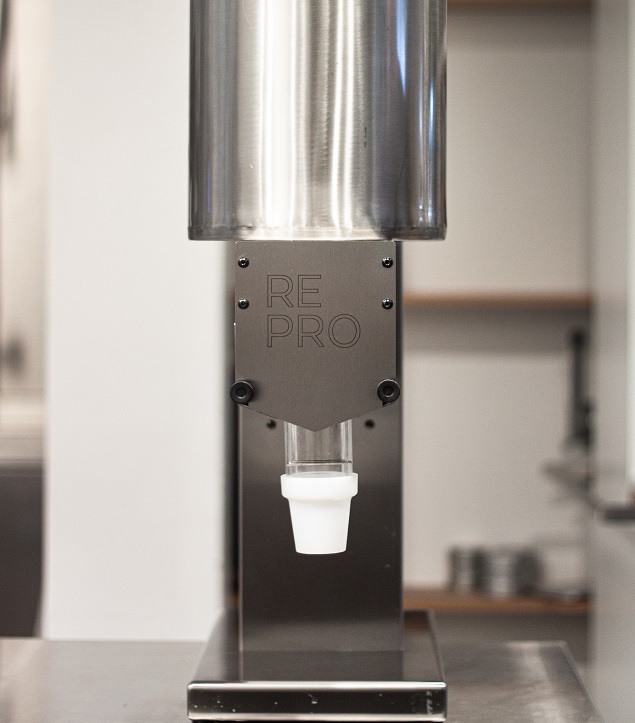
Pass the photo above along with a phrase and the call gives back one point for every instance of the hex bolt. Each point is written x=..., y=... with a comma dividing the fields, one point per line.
x=387, y=262
x=388, y=391
x=241, y=392
x=243, y=262
x=243, y=304
x=387, y=303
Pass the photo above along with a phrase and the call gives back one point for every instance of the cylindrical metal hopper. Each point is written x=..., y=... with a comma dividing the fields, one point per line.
x=317, y=119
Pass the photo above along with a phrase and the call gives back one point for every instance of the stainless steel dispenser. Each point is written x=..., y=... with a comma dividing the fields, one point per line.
x=317, y=145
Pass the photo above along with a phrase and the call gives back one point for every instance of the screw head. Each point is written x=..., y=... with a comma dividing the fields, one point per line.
x=241, y=392
x=387, y=303
x=243, y=303
x=243, y=262
x=388, y=391
x=387, y=262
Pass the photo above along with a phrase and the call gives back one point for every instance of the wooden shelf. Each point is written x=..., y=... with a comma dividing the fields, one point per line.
x=499, y=301
x=446, y=601
x=523, y=4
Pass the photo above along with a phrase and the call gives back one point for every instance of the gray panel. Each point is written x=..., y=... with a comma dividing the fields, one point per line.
x=348, y=601
x=315, y=340
x=317, y=119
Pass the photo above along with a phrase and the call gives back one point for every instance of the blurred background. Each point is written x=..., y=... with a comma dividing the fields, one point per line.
x=519, y=403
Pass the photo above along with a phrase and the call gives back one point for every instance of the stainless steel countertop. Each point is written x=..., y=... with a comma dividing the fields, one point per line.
x=114, y=682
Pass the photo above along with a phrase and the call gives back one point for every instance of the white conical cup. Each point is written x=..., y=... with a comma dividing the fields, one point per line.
x=320, y=507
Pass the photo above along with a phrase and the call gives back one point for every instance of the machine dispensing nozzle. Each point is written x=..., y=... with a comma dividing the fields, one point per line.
x=319, y=484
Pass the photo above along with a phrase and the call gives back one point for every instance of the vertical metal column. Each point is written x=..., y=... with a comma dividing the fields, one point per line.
x=317, y=119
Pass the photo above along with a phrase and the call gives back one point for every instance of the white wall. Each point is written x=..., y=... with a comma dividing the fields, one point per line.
x=486, y=403
x=614, y=289
x=486, y=392
x=519, y=125
x=133, y=522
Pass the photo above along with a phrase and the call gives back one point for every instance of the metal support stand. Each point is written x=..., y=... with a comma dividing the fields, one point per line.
x=317, y=144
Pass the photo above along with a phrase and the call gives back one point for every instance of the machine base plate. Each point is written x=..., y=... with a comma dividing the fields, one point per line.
x=404, y=685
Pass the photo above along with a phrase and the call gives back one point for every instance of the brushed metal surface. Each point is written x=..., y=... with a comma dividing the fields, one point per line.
x=317, y=119
x=405, y=685
x=315, y=340
x=348, y=601
x=515, y=683
x=128, y=682
x=105, y=682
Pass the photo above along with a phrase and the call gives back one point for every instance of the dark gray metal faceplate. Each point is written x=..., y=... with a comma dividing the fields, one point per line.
x=349, y=601
x=315, y=339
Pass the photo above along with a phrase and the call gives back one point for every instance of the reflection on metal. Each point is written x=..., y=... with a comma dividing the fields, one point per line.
x=317, y=119
x=515, y=682
x=393, y=685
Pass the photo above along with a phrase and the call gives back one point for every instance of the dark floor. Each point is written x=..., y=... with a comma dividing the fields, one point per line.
x=20, y=548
